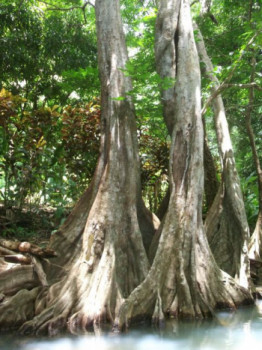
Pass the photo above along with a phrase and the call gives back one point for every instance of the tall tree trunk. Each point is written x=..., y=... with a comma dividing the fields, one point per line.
x=165, y=55
x=184, y=280
x=166, y=65
x=226, y=222
x=100, y=246
x=255, y=244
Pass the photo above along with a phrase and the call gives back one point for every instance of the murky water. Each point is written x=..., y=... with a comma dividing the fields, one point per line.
x=238, y=330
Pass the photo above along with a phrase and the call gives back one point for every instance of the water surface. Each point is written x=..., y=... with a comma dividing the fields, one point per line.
x=231, y=330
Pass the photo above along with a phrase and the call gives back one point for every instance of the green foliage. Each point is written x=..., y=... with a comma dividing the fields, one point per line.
x=39, y=47
x=18, y=232
x=141, y=68
x=49, y=129
x=80, y=141
x=20, y=32
x=154, y=155
x=48, y=156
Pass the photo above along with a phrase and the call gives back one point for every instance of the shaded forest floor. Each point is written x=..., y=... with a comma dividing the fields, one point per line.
x=33, y=224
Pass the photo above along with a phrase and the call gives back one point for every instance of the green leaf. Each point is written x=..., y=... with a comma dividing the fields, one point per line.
x=120, y=98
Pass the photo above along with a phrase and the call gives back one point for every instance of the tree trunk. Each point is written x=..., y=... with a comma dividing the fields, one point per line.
x=211, y=183
x=184, y=280
x=226, y=222
x=255, y=244
x=165, y=55
x=162, y=209
x=166, y=65
x=101, y=255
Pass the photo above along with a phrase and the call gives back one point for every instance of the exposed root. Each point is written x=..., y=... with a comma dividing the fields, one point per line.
x=82, y=301
x=158, y=317
x=93, y=290
x=139, y=305
x=178, y=288
x=226, y=295
x=32, y=326
x=82, y=323
x=17, y=278
x=14, y=312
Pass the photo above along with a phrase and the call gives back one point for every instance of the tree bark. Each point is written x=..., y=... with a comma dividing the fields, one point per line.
x=211, y=183
x=226, y=222
x=165, y=55
x=166, y=66
x=12, y=280
x=101, y=256
x=15, y=316
x=184, y=280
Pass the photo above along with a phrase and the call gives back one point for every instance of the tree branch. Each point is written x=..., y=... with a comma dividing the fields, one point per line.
x=229, y=77
x=26, y=247
x=244, y=86
x=18, y=259
x=205, y=6
x=38, y=268
x=242, y=52
x=194, y=2
x=56, y=8
x=223, y=87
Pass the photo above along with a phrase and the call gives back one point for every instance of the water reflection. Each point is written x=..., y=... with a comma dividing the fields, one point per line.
x=230, y=330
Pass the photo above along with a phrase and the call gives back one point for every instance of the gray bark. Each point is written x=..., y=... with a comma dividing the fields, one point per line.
x=166, y=65
x=16, y=278
x=205, y=6
x=211, y=183
x=15, y=316
x=165, y=55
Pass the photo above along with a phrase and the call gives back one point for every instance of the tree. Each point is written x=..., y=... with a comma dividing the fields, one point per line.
x=255, y=244
x=184, y=279
x=166, y=67
x=226, y=40
x=101, y=256
x=226, y=222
